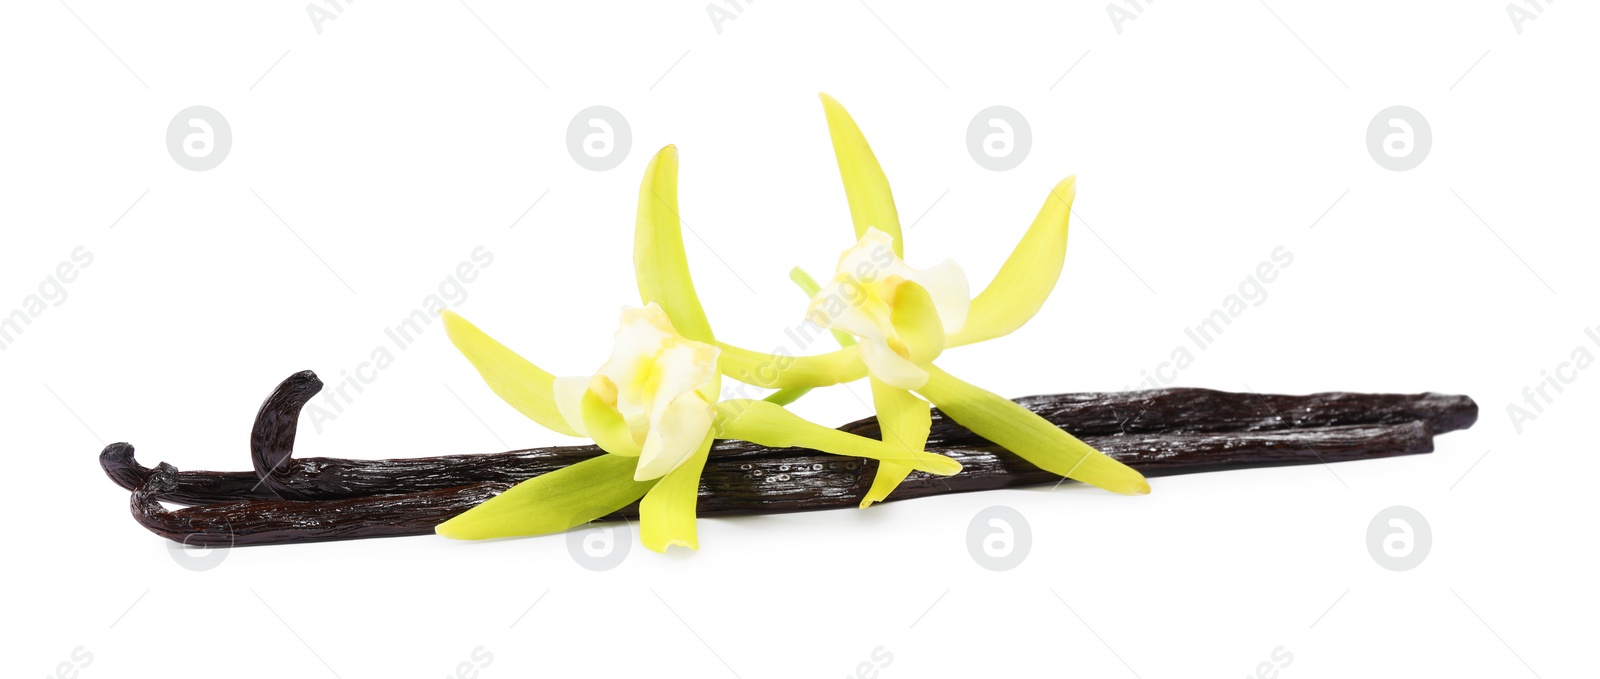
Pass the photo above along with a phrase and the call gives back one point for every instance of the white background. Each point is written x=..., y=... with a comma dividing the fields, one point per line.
x=404, y=135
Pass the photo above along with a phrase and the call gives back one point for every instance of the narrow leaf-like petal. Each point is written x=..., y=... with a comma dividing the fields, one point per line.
x=659, y=262
x=1027, y=277
x=865, y=186
x=604, y=423
x=553, y=502
x=787, y=395
x=917, y=327
x=905, y=421
x=666, y=514
x=520, y=383
x=776, y=372
x=771, y=425
x=1030, y=436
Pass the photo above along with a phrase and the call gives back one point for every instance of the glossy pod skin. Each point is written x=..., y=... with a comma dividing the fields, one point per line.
x=794, y=479
x=1208, y=410
x=765, y=481
x=279, y=475
x=271, y=522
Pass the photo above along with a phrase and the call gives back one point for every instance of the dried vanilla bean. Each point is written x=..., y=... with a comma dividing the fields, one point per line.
x=269, y=522
x=1207, y=410
x=780, y=480
x=1085, y=414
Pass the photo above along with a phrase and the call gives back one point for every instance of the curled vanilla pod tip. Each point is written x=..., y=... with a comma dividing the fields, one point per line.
x=272, y=440
x=188, y=488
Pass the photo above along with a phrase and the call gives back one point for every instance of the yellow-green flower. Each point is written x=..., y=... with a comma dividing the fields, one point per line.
x=653, y=406
x=652, y=400
x=905, y=318
x=901, y=315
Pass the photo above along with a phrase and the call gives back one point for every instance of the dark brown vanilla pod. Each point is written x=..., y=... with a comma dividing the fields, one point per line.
x=1089, y=414
x=269, y=522
x=344, y=478
x=1208, y=410
x=779, y=480
x=797, y=479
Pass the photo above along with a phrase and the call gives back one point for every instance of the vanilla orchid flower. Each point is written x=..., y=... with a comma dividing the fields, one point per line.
x=872, y=283
x=652, y=406
x=905, y=318
x=652, y=399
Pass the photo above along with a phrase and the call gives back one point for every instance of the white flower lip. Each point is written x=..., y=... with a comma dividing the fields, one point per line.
x=860, y=300
x=662, y=384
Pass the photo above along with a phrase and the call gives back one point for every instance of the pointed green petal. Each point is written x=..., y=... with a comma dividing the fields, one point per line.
x=787, y=395
x=553, y=502
x=1027, y=277
x=805, y=282
x=888, y=478
x=1034, y=438
x=867, y=189
x=777, y=372
x=905, y=421
x=809, y=286
x=916, y=323
x=771, y=425
x=666, y=515
x=659, y=261
x=520, y=383
x=606, y=426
